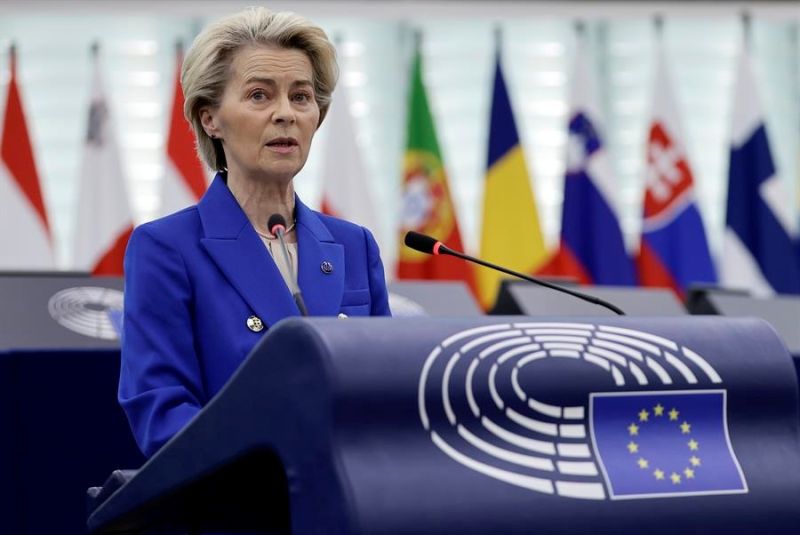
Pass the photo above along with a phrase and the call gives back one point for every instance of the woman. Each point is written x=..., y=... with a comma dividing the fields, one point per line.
x=203, y=285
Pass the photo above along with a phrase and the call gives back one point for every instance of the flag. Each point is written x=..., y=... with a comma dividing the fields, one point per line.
x=759, y=250
x=185, y=179
x=25, y=236
x=104, y=221
x=345, y=188
x=653, y=444
x=427, y=205
x=592, y=249
x=511, y=235
x=674, y=251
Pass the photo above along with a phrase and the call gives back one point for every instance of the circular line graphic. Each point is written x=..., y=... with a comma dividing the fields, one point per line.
x=85, y=310
x=523, y=439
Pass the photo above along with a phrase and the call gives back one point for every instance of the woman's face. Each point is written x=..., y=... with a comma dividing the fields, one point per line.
x=268, y=113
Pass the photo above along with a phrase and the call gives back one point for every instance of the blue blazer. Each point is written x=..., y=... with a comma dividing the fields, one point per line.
x=192, y=280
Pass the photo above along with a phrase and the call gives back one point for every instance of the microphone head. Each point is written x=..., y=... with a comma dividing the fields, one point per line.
x=421, y=242
x=276, y=223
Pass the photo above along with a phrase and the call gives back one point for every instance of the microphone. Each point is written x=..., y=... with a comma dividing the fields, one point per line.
x=277, y=227
x=426, y=244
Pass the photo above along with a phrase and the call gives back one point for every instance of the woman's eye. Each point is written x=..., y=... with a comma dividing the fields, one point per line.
x=302, y=97
x=258, y=95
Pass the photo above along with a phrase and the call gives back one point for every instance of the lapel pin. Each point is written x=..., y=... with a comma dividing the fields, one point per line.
x=255, y=324
x=326, y=267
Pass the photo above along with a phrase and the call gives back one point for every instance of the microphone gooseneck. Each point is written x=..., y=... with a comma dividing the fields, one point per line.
x=277, y=227
x=428, y=245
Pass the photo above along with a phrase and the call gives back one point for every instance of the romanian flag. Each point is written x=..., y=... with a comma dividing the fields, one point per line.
x=511, y=234
x=427, y=204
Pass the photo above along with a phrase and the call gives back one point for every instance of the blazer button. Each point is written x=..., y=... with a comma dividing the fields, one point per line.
x=326, y=267
x=342, y=316
x=255, y=324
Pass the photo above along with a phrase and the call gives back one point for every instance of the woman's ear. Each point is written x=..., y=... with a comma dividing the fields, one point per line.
x=208, y=122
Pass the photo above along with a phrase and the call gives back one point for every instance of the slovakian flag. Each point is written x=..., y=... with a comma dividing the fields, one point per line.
x=185, y=179
x=427, y=205
x=592, y=249
x=345, y=189
x=674, y=251
x=759, y=250
x=25, y=235
x=104, y=216
x=511, y=234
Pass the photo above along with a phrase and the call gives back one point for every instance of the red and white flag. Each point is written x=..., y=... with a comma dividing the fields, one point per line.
x=104, y=215
x=25, y=238
x=345, y=189
x=185, y=179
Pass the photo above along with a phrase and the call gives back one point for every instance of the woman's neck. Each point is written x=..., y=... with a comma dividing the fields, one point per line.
x=261, y=198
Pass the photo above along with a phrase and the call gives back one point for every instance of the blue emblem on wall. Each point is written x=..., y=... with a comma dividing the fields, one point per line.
x=653, y=444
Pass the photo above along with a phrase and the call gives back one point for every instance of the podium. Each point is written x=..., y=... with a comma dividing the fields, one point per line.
x=491, y=425
x=62, y=428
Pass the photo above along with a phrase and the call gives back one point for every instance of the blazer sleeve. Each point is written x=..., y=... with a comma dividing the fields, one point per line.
x=379, y=296
x=160, y=386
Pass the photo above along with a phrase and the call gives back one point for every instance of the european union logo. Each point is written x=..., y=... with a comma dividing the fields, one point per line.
x=657, y=444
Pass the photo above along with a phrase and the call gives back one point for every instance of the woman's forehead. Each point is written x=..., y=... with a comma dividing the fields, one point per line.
x=271, y=62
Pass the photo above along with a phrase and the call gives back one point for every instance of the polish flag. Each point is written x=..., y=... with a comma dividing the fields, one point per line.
x=104, y=215
x=185, y=179
x=25, y=239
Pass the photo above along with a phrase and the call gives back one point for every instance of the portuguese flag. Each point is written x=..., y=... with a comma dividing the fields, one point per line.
x=427, y=205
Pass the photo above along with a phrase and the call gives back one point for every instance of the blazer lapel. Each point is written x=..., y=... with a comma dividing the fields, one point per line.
x=234, y=246
x=322, y=287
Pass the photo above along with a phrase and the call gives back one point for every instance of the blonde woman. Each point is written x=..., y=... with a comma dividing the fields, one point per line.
x=203, y=285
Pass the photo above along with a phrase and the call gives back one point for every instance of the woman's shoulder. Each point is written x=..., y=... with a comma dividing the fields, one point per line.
x=173, y=228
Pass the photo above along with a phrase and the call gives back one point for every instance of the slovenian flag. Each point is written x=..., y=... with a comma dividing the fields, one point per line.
x=592, y=249
x=759, y=253
x=674, y=251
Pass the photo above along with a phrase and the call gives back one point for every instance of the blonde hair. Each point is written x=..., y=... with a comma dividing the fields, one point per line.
x=206, y=68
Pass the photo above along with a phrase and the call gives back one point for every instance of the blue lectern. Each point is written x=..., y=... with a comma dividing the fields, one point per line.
x=491, y=425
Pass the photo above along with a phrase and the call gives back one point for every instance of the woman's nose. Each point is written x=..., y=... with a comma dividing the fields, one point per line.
x=284, y=113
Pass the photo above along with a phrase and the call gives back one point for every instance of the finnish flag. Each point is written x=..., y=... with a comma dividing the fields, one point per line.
x=759, y=250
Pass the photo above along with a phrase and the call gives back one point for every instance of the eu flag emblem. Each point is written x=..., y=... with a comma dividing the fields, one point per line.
x=658, y=444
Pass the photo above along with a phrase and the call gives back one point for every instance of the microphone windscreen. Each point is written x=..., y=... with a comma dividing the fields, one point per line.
x=420, y=242
x=275, y=220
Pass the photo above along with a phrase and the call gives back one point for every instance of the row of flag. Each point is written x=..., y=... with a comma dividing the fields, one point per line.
x=104, y=217
x=760, y=253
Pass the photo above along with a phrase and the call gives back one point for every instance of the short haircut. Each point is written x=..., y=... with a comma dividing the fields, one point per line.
x=206, y=68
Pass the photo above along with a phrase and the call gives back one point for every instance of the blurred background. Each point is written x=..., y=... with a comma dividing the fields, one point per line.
x=701, y=41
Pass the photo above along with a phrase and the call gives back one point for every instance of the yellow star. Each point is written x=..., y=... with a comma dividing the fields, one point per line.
x=676, y=479
x=643, y=415
x=689, y=473
x=659, y=474
x=658, y=410
x=633, y=429
x=695, y=461
x=693, y=445
x=686, y=427
x=633, y=447
x=673, y=414
x=643, y=463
